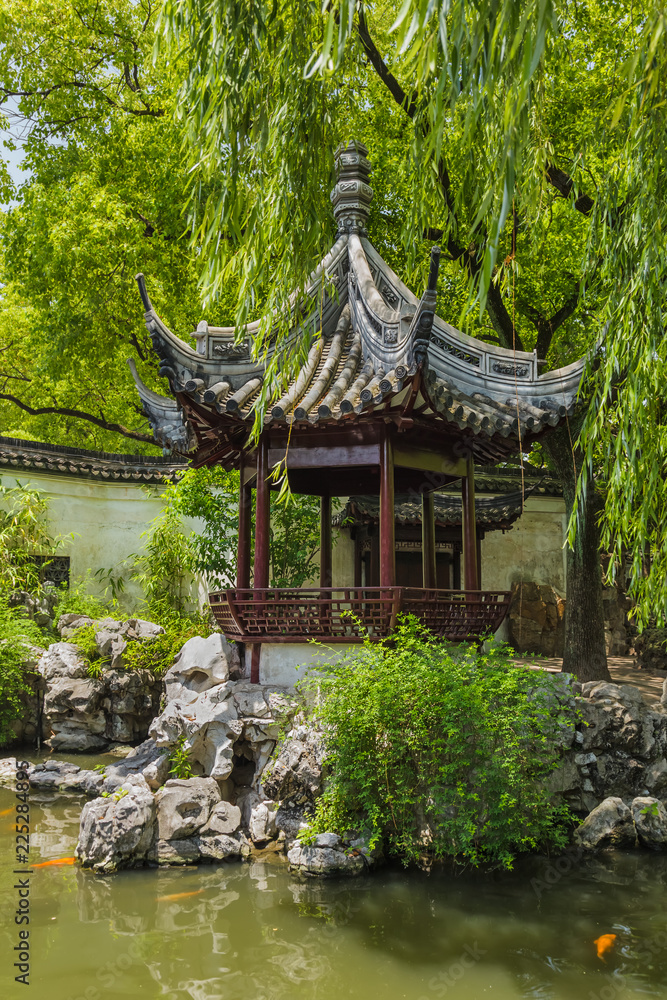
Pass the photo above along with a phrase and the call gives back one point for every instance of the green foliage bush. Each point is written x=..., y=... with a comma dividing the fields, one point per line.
x=158, y=654
x=24, y=535
x=164, y=566
x=438, y=751
x=17, y=633
x=179, y=758
x=171, y=555
x=78, y=600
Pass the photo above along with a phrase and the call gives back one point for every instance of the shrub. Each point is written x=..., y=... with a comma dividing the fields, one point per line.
x=164, y=566
x=179, y=758
x=25, y=538
x=158, y=654
x=17, y=633
x=77, y=600
x=438, y=751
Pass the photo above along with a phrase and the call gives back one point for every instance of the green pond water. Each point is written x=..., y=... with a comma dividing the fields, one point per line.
x=252, y=931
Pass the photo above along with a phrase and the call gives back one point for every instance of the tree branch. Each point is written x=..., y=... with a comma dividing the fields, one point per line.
x=80, y=415
x=564, y=184
x=502, y=321
x=546, y=327
x=408, y=104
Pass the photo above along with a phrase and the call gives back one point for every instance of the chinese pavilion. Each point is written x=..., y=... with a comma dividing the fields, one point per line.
x=391, y=397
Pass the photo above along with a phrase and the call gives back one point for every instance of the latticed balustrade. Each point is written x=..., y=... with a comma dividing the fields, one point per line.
x=348, y=614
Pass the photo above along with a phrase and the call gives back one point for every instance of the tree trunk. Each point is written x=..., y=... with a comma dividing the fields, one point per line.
x=584, y=651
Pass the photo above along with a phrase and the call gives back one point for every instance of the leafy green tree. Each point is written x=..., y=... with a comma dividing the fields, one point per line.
x=103, y=200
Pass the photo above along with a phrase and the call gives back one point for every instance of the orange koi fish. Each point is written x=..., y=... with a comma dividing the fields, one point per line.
x=604, y=944
x=55, y=861
x=178, y=895
x=6, y=812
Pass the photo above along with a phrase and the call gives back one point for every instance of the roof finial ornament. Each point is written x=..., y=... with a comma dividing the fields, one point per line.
x=352, y=195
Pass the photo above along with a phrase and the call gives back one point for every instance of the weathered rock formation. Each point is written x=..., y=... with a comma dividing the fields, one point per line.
x=536, y=620
x=329, y=855
x=88, y=713
x=118, y=831
x=617, y=749
x=615, y=824
x=651, y=648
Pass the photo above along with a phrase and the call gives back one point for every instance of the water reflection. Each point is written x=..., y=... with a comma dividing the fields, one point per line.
x=254, y=932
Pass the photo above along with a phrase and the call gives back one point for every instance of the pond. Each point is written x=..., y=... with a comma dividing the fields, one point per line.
x=252, y=931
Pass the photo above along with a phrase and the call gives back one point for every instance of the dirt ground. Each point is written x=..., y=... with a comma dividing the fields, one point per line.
x=623, y=670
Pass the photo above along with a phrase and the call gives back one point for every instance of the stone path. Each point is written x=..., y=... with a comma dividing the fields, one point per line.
x=623, y=670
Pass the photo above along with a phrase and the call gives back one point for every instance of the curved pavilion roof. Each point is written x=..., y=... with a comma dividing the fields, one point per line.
x=491, y=513
x=376, y=350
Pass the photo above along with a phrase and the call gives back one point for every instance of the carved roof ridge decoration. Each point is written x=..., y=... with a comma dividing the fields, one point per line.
x=170, y=428
x=372, y=346
x=18, y=456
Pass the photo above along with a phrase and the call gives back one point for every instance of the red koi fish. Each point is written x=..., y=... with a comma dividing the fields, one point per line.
x=55, y=861
x=178, y=895
x=604, y=944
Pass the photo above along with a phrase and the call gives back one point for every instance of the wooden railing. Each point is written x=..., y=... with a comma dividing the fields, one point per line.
x=348, y=614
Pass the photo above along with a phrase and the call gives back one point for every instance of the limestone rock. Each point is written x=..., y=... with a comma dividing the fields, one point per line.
x=85, y=713
x=609, y=825
x=201, y=664
x=70, y=623
x=62, y=659
x=140, y=760
x=157, y=772
x=327, y=861
x=184, y=806
x=650, y=818
x=651, y=647
x=225, y=818
x=290, y=822
x=262, y=825
x=140, y=629
x=656, y=778
x=8, y=771
x=178, y=852
x=331, y=840
x=209, y=725
x=296, y=773
x=59, y=775
x=220, y=846
x=110, y=647
x=118, y=831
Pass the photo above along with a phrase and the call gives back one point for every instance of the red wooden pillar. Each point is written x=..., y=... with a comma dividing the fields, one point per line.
x=243, y=551
x=325, y=542
x=470, y=571
x=262, y=515
x=387, y=515
x=429, y=573
x=262, y=536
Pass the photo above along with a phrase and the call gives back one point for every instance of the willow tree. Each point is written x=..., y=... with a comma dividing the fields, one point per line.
x=103, y=199
x=525, y=136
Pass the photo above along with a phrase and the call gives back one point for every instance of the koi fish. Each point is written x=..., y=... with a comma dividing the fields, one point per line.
x=6, y=812
x=178, y=895
x=604, y=944
x=55, y=861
